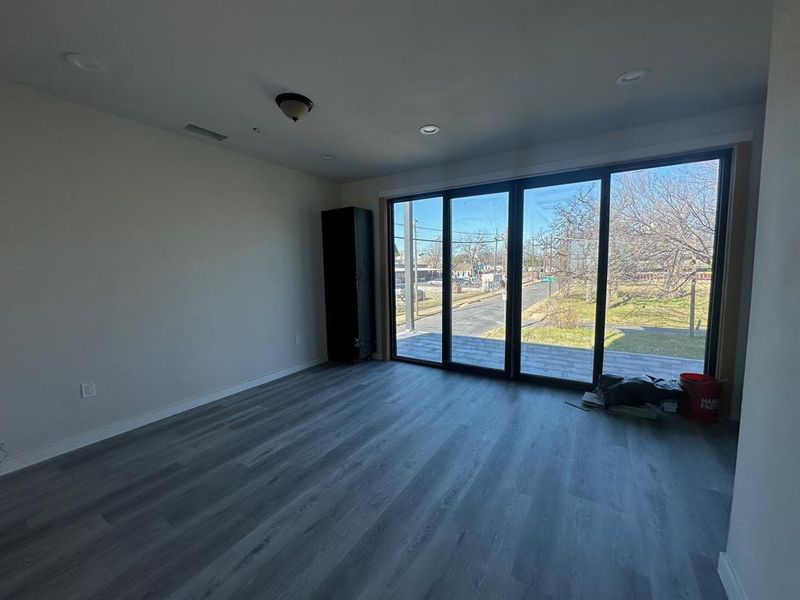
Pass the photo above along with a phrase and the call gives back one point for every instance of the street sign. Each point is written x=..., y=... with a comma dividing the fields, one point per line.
x=549, y=279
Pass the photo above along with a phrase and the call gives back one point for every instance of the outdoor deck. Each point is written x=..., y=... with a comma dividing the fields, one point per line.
x=541, y=359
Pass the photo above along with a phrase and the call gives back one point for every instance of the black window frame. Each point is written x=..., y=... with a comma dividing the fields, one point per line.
x=515, y=188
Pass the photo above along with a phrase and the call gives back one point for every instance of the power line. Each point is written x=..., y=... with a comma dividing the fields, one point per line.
x=416, y=239
x=483, y=233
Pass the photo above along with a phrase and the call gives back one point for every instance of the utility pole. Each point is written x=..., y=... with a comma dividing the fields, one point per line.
x=416, y=269
x=408, y=253
x=496, y=239
x=566, y=279
x=692, y=297
x=550, y=267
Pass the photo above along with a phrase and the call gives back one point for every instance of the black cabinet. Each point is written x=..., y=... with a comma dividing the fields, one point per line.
x=348, y=249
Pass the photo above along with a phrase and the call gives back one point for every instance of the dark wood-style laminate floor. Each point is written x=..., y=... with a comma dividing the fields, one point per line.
x=381, y=480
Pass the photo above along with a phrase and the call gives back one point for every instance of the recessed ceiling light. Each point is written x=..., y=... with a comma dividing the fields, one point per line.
x=429, y=129
x=326, y=156
x=633, y=76
x=83, y=61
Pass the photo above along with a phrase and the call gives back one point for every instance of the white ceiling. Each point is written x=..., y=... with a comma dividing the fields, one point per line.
x=494, y=74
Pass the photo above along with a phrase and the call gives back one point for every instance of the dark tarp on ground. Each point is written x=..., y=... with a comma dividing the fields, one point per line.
x=615, y=390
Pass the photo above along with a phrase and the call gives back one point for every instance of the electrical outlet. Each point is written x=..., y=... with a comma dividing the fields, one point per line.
x=297, y=339
x=88, y=390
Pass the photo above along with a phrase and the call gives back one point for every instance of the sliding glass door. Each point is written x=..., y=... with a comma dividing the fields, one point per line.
x=661, y=256
x=479, y=279
x=417, y=250
x=558, y=275
x=563, y=277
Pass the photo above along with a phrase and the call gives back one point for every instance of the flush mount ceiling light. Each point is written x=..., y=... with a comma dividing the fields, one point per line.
x=294, y=106
x=83, y=61
x=633, y=76
x=326, y=156
x=429, y=129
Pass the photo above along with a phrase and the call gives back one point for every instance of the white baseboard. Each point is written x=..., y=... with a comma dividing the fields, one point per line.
x=26, y=459
x=730, y=581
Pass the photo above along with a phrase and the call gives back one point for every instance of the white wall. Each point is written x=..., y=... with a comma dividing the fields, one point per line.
x=762, y=561
x=162, y=267
x=722, y=128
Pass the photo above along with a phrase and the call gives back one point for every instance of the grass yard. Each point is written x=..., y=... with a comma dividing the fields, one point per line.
x=660, y=344
x=639, y=342
x=634, y=305
x=569, y=321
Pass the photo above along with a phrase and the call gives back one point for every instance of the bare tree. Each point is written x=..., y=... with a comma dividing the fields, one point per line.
x=432, y=255
x=567, y=248
x=663, y=225
x=661, y=235
x=471, y=248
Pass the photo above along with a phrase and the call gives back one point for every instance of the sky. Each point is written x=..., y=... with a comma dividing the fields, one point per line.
x=483, y=214
x=489, y=212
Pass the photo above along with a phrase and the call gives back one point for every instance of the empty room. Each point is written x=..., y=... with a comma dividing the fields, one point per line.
x=419, y=300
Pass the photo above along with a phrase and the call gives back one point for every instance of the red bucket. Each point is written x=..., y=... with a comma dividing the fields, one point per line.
x=702, y=397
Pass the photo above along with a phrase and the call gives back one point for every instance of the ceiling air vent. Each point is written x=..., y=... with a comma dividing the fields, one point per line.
x=203, y=132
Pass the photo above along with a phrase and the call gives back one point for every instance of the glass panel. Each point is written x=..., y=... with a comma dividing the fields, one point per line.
x=661, y=249
x=418, y=278
x=479, y=256
x=560, y=237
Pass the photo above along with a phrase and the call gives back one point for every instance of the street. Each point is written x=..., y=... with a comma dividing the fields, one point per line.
x=479, y=317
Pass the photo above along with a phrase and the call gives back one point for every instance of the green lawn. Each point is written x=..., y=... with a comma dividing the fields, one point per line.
x=569, y=321
x=631, y=306
x=639, y=342
x=660, y=344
